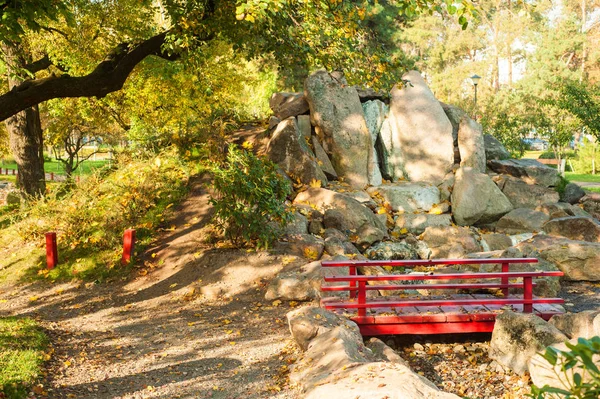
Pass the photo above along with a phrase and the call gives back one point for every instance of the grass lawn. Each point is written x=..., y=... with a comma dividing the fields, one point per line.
x=22, y=345
x=583, y=178
x=56, y=167
x=592, y=189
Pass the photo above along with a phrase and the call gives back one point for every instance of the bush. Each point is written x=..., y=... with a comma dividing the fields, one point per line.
x=578, y=362
x=588, y=158
x=250, y=198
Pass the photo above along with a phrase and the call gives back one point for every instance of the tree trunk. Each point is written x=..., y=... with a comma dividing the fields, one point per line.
x=25, y=132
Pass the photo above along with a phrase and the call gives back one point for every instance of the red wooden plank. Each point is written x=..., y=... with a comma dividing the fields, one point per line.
x=447, y=302
x=478, y=286
x=449, y=276
x=51, y=250
x=431, y=314
x=455, y=314
x=430, y=262
x=426, y=328
x=403, y=316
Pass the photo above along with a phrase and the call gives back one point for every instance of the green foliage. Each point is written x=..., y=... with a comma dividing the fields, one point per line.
x=588, y=157
x=579, y=373
x=582, y=100
x=22, y=344
x=249, y=198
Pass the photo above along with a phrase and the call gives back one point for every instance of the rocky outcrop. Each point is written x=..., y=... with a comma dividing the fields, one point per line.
x=523, y=195
x=529, y=170
x=476, y=199
x=407, y=197
x=450, y=242
x=517, y=337
x=574, y=228
x=521, y=220
x=336, y=109
x=375, y=113
x=572, y=193
x=389, y=148
x=494, y=150
x=288, y=150
x=423, y=130
x=471, y=145
x=285, y=105
x=391, y=251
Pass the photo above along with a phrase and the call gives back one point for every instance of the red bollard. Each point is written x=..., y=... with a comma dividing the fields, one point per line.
x=51, y=251
x=128, y=246
x=51, y=176
x=13, y=172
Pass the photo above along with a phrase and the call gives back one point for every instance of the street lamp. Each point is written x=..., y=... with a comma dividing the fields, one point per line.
x=475, y=80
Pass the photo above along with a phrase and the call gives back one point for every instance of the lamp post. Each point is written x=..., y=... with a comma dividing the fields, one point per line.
x=475, y=80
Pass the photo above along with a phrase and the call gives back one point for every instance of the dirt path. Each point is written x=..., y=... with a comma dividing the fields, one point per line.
x=191, y=323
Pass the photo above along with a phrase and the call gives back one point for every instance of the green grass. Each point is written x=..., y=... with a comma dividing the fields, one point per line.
x=592, y=189
x=583, y=178
x=22, y=345
x=55, y=166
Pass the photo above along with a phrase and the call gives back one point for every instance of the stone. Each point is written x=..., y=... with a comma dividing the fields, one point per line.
x=517, y=337
x=496, y=241
x=423, y=129
x=447, y=186
x=592, y=205
x=336, y=109
x=388, y=148
x=273, y=122
x=288, y=150
x=375, y=112
x=388, y=250
x=558, y=210
x=574, y=228
x=302, y=284
x=530, y=171
x=334, y=233
x=450, y=242
x=354, y=214
x=306, y=245
x=584, y=324
x=366, y=235
x=572, y=194
x=285, y=105
x=494, y=150
x=476, y=199
x=470, y=145
x=323, y=159
x=407, y=197
x=298, y=224
x=304, y=126
x=578, y=260
x=455, y=115
x=368, y=94
x=335, y=246
x=417, y=223
x=363, y=198
x=523, y=195
x=384, y=353
x=521, y=220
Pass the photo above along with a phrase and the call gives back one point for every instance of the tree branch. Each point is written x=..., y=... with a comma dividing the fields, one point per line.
x=39, y=65
x=109, y=76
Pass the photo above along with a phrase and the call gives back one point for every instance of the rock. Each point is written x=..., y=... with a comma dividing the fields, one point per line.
x=13, y=198
x=523, y=195
x=298, y=225
x=542, y=373
x=383, y=353
x=391, y=251
x=388, y=147
x=517, y=337
x=423, y=129
x=308, y=322
x=584, y=324
x=363, y=198
x=417, y=223
x=368, y=94
x=574, y=228
x=521, y=220
x=591, y=205
x=334, y=233
x=306, y=245
x=323, y=160
x=471, y=145
x=304, y=126
x=288, y=150
x=335, y=246
x=302, y=284
x=529, y=170
x=579, y=260
x=494, y=150
x=476, y=199
x=366, y=235
x=558, y=210
x=285, y=105
x=450, y=242
x=375, y=113
x=273, y=122
x=455, y=115
x=408, y=197
x=316, y=226
x=573, y=193
x=496, y=241
x=354, y=213
x=447, y=186
x=335, y=271
x=336, y=109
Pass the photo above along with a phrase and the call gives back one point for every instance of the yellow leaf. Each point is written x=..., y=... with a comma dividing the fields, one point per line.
x=314, y=183
x=67, y=363
x=276, y=303
x=226, y=321
x=173, y=285
x=33, y=298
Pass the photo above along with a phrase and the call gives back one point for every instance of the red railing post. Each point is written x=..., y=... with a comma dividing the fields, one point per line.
x=352, y=284
x=528, y=294
x=362, y=298
x=128, y=246
x=51, y=176
x=51, y=251
x=13, y=172
x=505, y=269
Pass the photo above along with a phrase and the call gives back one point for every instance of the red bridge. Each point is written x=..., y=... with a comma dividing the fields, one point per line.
x=472, y=305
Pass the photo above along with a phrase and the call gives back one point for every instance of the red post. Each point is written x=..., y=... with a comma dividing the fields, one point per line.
x=505, y=267
x=362, y=298
x=77, y=179
x=52, y=176
x=128, y=246
x=13, y=172
x=528, y=294
x=51, y=251
x=352, y=272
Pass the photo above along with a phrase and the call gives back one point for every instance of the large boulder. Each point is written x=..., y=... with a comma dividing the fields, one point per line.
x=572, y=193
x=579, y=260
x=302, y=284
x=584, y=324
x=450, y=242
x=494, y=150
x=336, y=109
x=391, y=251
x=375, y=113
x=591, y=204
x=323, y=159
x=521, y=220
x=307, y=322
x=517, y=337
x=352, y=213
x=389, y=148
x=290, y=151
x=285, y=105
x=496, y=242
x=471, y=145
x=560, y=210
x=416, y=223
x=574, y=228
x=523, y=195
x=407, y=197
x=366, y=235
x=529, y=170
x=476, y=199
x=455, y=115
x=423, y=129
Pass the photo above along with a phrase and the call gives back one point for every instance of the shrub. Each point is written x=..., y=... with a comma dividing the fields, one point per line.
x=578, y=372
x=588, y=158
x=249, y=198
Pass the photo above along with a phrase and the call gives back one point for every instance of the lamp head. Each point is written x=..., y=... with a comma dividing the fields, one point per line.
x=475, y=79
